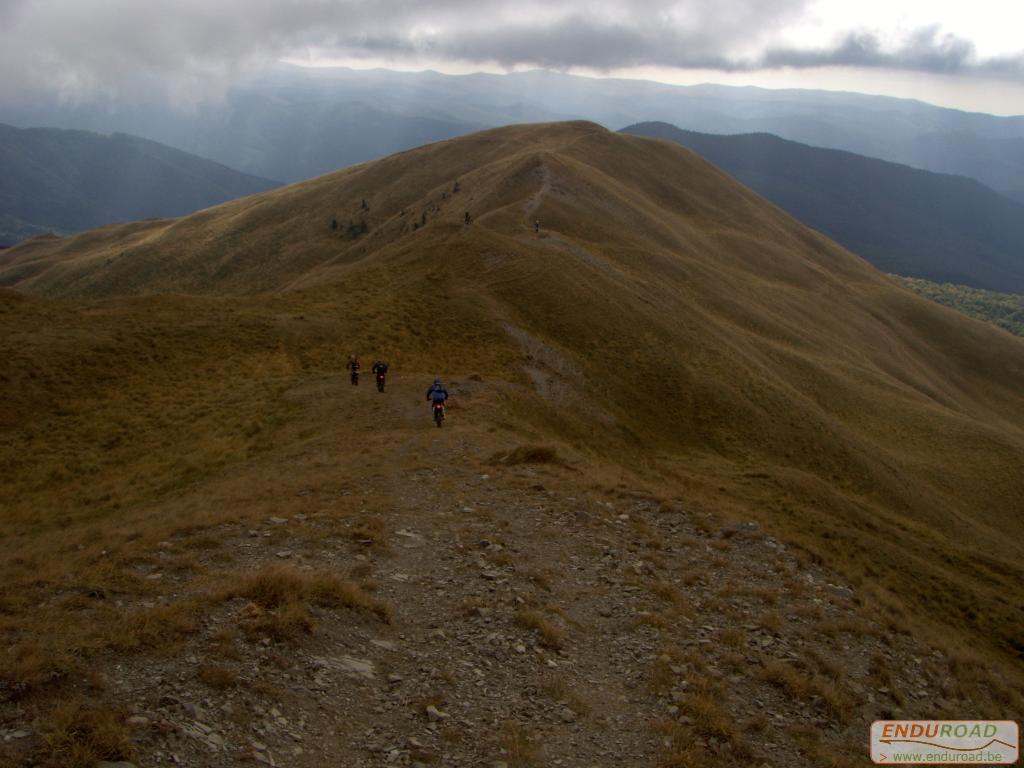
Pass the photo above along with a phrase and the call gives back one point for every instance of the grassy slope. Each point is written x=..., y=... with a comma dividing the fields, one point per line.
x=666, y=320
x=901, y=219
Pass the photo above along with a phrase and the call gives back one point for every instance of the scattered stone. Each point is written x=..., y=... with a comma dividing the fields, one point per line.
x=435, y=714
x=138, y=721
x=284, y=554
x=357, y=667
x=278, y=520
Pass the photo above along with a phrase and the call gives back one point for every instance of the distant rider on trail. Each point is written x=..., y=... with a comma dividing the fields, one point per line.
x=380, y=369
x=353, y=366
x=437, y=394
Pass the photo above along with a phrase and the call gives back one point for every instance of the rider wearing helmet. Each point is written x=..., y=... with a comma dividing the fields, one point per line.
x=380, y=370
x=353, y=366
x=437, y=392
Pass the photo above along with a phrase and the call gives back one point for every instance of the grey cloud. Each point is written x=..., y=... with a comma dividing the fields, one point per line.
x=190, y=48
x=924, y=50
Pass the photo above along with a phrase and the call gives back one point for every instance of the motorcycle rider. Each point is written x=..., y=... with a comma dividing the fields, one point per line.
x=437, y=393
x=353, y=366
x=379, y=369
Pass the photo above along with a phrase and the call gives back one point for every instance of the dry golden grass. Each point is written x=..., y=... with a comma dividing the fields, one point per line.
x=846, y=415
x=680, y=747
x=528, y=454
x=550, y=634
x=709, y=718
x=76, y=735
x=800, y=686
x=559, y=689
x=733, y=637
x=772, y=621
x=370, y=531
x=286, y=589
x=518, y=747
x=218, y=677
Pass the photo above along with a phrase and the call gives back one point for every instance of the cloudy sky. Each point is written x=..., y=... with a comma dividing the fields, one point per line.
x=967, y=55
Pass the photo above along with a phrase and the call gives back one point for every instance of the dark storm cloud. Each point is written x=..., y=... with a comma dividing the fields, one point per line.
x=82, y=48
x=925, y=50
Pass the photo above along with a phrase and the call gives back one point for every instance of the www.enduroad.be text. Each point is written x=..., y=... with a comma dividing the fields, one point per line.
x=948, y=757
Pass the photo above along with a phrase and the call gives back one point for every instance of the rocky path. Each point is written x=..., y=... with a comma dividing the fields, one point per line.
x=536, y=618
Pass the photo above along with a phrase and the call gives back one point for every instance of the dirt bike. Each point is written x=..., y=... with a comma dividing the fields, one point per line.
x=355, y=377
x=438, y=412
x=380, y=382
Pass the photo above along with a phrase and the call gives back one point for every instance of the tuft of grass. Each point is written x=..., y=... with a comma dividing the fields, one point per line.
x=668, y=592
x=528, y=454
x=218, y=677
x=162, y=629
x=800, y=686
x=78, y=735
x=733, y=637
x=370, y=532
x=281, y=595
x=559, y=690
x=31, y=665
x=681, y=748
x=708, y=716
x=551, y=636
x=275, y=586
x=518, y=747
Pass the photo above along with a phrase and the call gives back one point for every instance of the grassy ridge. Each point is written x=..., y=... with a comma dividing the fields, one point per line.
x=665, y=321
x=1003, y=309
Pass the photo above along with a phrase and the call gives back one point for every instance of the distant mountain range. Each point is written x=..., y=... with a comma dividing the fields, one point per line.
x=903, y=220
x=291, y=123
x=65, y=181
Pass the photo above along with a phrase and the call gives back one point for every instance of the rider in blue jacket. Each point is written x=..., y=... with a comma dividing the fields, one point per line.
x=437, y=392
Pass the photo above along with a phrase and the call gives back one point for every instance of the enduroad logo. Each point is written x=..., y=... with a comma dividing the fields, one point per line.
x=970, y=742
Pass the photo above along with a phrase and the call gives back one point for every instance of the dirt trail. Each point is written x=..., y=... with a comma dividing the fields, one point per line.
x=537, y=619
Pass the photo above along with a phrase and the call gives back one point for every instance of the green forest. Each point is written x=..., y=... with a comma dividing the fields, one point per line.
x=1003, y=309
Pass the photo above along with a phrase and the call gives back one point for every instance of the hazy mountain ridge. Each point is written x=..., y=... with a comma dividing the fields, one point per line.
x=940, y=227
x=264, y=121
x=67, y=181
